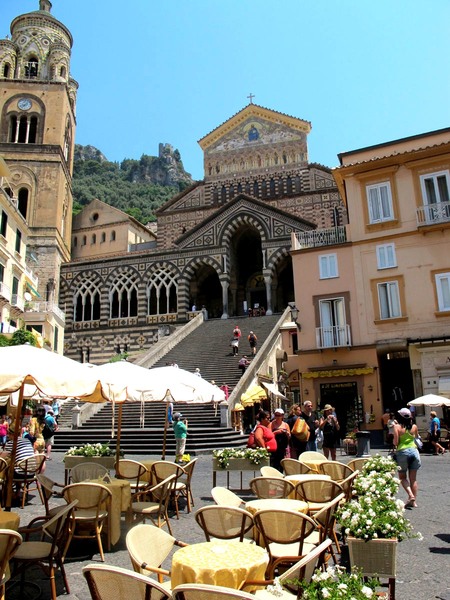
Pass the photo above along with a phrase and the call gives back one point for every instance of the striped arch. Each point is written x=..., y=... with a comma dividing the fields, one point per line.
x=275, y=259
x=199, y=261
x=251, y=220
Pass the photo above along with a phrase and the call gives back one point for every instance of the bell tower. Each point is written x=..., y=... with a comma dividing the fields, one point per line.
x=37, y=132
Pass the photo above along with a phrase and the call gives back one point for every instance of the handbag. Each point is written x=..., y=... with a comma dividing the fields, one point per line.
x=300, y=430
x=419, y=443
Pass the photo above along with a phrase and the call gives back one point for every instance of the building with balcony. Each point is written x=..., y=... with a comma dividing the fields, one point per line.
x=373, y=328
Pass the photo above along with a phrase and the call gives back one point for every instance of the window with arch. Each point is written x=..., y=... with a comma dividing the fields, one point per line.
x=113, y=236
x=86, y=302
x=75, y=241
x=84, y=242
x=103, y=238
x=6, y=70
x=23, y=129
x=31, y=68
x=23, y=202
x=62, y=72
x=68, y=141
x=123, y=296
x=162, y=293
x=94, y=238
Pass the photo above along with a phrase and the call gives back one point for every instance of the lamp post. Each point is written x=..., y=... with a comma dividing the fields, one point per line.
x=294, y=316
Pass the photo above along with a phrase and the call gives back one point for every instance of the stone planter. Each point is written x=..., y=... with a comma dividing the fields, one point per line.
x=106, y=461
x=349, y=446
x=240, y=464
x=374, y=557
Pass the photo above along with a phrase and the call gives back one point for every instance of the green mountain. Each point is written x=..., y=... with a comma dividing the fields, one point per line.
x=138, y=187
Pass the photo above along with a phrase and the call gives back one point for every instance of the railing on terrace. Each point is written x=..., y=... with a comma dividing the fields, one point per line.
x=334, y=336
x=319, y=237
x=49, y=307
x=432, y=214
x=5, y=292
x=17, y=302
x=32, y=277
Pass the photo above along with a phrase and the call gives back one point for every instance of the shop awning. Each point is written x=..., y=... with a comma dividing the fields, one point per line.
x=32, y=290
x=338, y=373
x=273, y=389
x=255, y=393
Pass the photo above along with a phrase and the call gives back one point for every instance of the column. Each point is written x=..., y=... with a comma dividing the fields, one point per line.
x=224, y=283
x=268, y=282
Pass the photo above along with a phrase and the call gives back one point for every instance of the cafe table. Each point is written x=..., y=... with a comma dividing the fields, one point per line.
x=224, y=563
x=297, y=478
x=9, y=520
x=120, y=502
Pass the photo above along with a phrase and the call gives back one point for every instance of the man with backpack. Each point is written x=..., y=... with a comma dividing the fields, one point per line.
x=252, y=339
x=48, y=432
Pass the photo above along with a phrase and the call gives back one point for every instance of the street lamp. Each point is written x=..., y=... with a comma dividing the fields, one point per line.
x=294, y=315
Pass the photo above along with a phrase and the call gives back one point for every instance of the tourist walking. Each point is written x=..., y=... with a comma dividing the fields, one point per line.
x=406, y=454
x=435, y=433
x=282, y=434
x=235, y=340
x=243, y=364
x=296, y=446
x=252, y=340
x=313, y=423
x=330, y=428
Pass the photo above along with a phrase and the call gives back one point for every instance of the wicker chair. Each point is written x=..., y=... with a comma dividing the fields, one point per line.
x=91, y=512
x=133, y=471
x=225, y=497
x=3, y=479
x=336, y=470
x=25, y=473
x=161, y=470
x=347, y=485
x=302, y=571
x=270, y=472
x=9, y=543
x=49, y=553
x=87, y=470
x=107, y=582
x=357, y=463
x=225, y=523
x=148, y=547
x=187, y=481
x=293, y=466
x=271, y=487
x=284, y=533
x=326, y=521
x=317, y=492
x=152, y=503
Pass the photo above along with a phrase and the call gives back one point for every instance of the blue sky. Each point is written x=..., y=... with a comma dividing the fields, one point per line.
x=153, y=71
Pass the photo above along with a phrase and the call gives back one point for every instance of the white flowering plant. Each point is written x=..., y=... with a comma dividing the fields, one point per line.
x=90, y=450
x=334, y=584
x=376, y=513
x=254, y=455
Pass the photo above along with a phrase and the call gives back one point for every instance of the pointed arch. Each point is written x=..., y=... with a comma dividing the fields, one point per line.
x=123, y=294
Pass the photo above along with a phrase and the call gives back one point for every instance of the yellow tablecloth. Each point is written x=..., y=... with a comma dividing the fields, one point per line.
x=120, y=502
x=148, y=465
x=9, y=520
x=276, y=504
x=313, y=464
x=225, y=563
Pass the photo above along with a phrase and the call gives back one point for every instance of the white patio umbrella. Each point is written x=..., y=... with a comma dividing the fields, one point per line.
x=54, y=376
x=430, y=400
x=156, y=385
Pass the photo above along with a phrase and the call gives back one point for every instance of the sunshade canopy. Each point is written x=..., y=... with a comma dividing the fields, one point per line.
x=430, y=400
x=255, y=393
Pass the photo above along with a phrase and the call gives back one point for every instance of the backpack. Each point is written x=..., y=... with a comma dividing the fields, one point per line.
x=300, y=430
x=48, y=430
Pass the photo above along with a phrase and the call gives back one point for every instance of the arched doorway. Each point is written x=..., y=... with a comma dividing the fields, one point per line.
x=246, y=277
x=205, y=290
x=282, y=284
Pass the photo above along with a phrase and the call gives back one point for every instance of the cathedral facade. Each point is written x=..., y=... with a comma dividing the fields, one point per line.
x=223, y=244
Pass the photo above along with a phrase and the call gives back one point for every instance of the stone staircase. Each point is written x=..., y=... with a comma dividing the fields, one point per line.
x=208, y=348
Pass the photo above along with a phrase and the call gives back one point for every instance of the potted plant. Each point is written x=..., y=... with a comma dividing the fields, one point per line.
x=241, y=459
x=375, y=522
x=349, y=443
x=334, y=584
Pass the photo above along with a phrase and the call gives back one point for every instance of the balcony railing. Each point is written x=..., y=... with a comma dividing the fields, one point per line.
x=17, y=302
x=5, y=292
x=433, y=214
x=46, y=307
x=319, y=237
x=334, y=336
